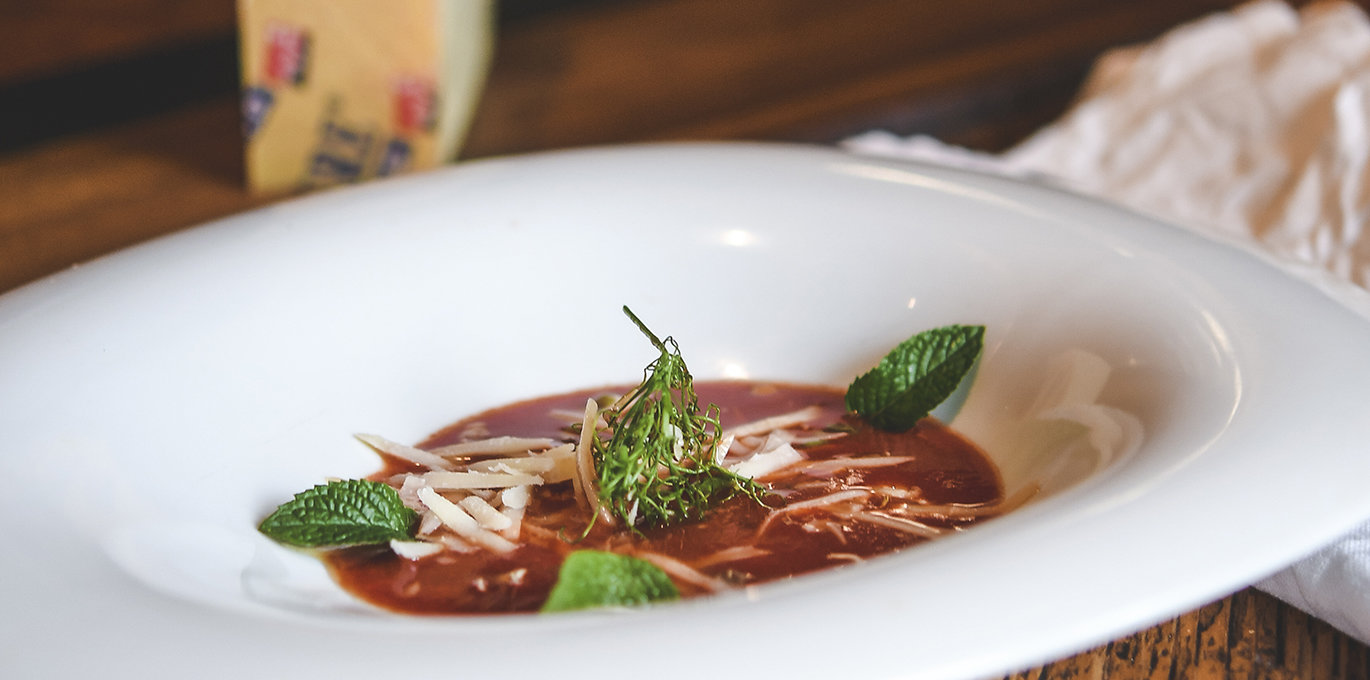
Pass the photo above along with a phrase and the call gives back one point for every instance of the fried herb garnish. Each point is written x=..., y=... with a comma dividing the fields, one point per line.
x=657, y=465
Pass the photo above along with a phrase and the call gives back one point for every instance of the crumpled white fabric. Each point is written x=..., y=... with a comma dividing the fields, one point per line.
x=1253, y=122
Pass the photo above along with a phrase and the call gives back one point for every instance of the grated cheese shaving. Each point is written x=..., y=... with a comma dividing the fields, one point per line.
x=840, y=496
x=455, y=544
x=464, y=525
x=820, y=502
x=554, y=465
x=484, y=513
x=415, y=550
x=495, y=446
x=515, y=497
x=779, y=422
x=721, y=450
x=765, y=462
x=409, y=453
x=827, y=467
x=586, y=480
x=515, y=527
x=683, y=571
x=905, y=525
x=408, y=490
x=428, y=522
x=969, y=511
x=733, y=554
x=444, y=481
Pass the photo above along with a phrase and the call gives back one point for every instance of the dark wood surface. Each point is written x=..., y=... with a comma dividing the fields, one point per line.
x=93, y=158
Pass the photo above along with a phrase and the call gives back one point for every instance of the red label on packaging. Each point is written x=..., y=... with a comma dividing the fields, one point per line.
x=287, y=54
x=414, y=105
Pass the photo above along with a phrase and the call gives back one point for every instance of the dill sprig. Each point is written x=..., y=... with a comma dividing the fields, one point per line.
x=657, y=466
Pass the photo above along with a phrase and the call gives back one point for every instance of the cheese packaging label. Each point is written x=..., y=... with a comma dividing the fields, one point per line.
x=340, y=91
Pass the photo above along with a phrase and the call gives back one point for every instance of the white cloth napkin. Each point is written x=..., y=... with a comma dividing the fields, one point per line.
x=1253, y=122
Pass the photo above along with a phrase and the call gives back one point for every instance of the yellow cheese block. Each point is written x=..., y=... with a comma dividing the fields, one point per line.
x=338, y=91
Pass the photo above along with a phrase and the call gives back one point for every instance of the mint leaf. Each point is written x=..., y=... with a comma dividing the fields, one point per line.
x=915, y=377
x=349, y=512
x=592, y=578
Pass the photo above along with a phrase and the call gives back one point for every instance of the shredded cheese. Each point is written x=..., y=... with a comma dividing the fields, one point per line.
x=495, y=446
x=462, y=524
x=586, y=480
x=683, y=571
x=733, y=554
x=553, y=465
x=721, y=450
x=415, y=550
x=515, y=497
x=428, y=522
x=515, y=516
x=444, y=481
x=484, y=513
x=820, y=502
x=409, y=453
x=831, y=465
x=779, y=422
x=765, y=462
x=905, y=525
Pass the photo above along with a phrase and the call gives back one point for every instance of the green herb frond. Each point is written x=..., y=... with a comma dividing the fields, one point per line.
x=656, y=466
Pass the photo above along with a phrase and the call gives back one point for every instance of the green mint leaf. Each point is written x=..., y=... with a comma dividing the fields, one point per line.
x=915, y=377
x=591, y=578
x=349, y=512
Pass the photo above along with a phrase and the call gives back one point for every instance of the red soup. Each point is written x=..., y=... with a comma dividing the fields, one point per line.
x=842, y=493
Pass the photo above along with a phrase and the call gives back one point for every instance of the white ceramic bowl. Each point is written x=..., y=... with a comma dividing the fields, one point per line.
x=158, y=402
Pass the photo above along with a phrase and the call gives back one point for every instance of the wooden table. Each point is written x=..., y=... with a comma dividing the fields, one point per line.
x=92, y=158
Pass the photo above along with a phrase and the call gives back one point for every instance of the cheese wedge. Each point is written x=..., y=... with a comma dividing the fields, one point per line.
x=340, y=91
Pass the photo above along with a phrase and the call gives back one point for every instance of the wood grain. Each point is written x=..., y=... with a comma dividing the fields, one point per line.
x=88, y=195
x=1246, y=636
x=690, y=69
x=41, y=38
